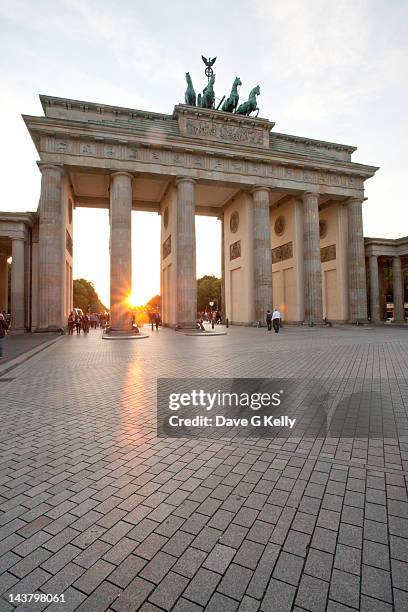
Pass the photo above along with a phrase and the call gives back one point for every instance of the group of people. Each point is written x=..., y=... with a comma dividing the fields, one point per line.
x=273, y=319
x=209, y=316
x=155, y=320
x=82, y=322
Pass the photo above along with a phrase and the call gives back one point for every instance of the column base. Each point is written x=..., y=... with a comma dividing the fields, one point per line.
x=186, y=326
x=18, y=330
x=133, y=333
x=316, y=323
x=50, y=328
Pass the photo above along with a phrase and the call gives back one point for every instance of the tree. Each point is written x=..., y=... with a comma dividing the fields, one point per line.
x=85, y=296
x=154, y=303
x=208, y=290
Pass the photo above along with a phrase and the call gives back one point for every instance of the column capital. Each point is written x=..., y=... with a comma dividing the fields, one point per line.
x=257, y=188
x=121, y=173
x=45, y=166
x=185, y=179
x=310, y=194
x=355, y=200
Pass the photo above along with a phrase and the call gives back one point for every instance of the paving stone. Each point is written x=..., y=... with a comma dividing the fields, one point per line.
x=233, y=536
x=324, y=539
x=319, y=564
x=94, y=576
x=207, y=538
x=182, y=605
x=376, y=554
x=249, y=554
x=101, y=598
x=202, y=586
x=63, y=579
x=297, y=543
x=235, y=581
x=158, y=567
x=376, y=583
x=92, y=553
x=348, y=559
x=127, y=570
x=221, y=602
x=30, y=562
x=189, y=562
x=400, y=600
x=368, y=604
x=263, y=571
x=288, y=568
x=312, y=593
x=178, y=543
x=345, y=588
x=279, y=596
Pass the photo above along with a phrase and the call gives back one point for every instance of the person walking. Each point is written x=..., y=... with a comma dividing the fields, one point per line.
x=71, y=324
x=276, y=318
x=3, y=332
x=269, y=319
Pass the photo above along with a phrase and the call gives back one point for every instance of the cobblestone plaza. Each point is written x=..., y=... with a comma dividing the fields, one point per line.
x=95, y=506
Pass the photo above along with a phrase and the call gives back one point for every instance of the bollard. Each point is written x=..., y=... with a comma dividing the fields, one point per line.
x=152, y=325
x=212, y=324
x=227, y=323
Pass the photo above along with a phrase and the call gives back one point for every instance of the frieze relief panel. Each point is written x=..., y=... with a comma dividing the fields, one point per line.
x=166, y=247
x=140, y=153
x=226, y=133
x=235, y=250
x=280, y=253
x=328, y=253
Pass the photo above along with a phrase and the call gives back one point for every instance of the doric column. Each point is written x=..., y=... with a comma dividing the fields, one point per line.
x=374, y=289
x=3, y=282
x=311, y=258
x=262, y=253
x=186, y=254
x=51, y=250
x=120, y=249
x=356, y=262
x=398, y=290
x=222, y=267
x=17, y=285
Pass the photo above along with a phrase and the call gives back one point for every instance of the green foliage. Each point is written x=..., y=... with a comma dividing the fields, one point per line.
x=208, y=290
x=85, y=296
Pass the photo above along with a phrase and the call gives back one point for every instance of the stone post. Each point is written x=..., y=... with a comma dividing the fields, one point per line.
x=262, y=253
x=312, y=266
x=120, y=250
x=17, y=285
x=51, y=250
x=3, y=282
x=398, y=290
x=374, y=289
x=186, y=254
x=356, y=262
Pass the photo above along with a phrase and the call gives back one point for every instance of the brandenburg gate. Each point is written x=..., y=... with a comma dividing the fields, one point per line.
x=290, y=207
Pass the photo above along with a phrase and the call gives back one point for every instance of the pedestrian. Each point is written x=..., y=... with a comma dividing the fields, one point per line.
x=3, y=331
x=71, y=324
x=78, y=323
x=276, y=319
x=269, y=319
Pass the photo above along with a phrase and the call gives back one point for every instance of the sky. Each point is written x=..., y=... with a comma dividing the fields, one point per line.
x=332, y=70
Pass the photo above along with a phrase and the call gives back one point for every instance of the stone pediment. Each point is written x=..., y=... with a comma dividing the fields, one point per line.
x=207, y=124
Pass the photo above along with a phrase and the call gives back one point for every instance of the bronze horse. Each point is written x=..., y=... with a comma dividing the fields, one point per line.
x=231, y=103
x=246, y=108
